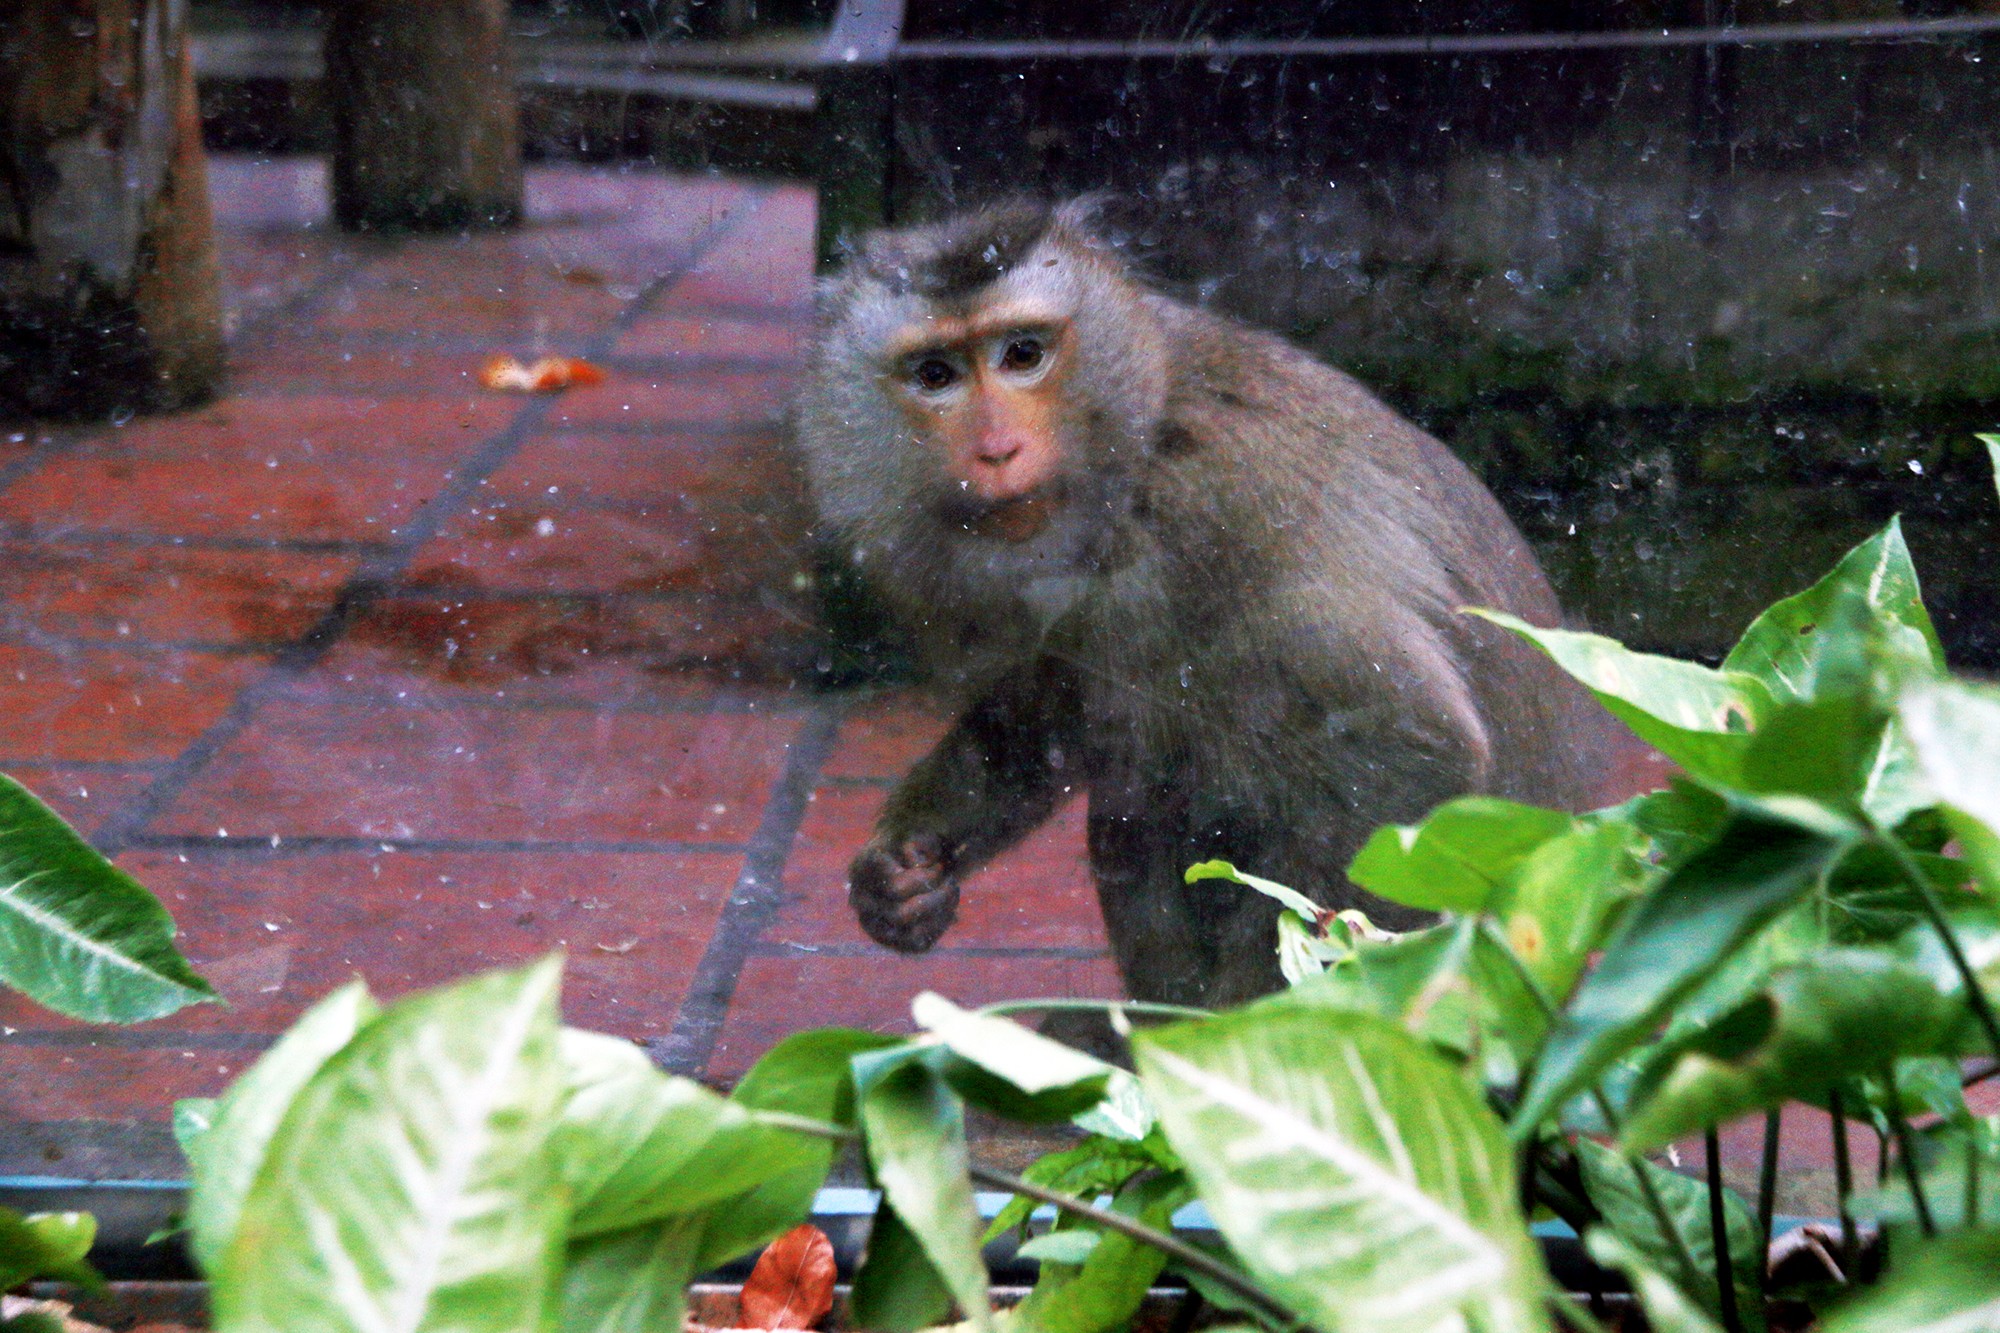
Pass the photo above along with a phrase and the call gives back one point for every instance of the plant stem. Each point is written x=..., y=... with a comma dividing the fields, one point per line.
x=1767, y=1176
x=1718, y=1232
x=805, y=1124
x=1180, y=1251
x=1052, y=1006
x=1906, y=1151
x=1975, y=994
x=1971, y=1218
x=1843, y=1182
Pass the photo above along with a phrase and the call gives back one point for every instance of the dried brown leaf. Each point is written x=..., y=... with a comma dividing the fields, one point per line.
x=792, y=1284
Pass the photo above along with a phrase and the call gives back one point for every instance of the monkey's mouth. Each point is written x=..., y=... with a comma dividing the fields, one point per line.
x=1015, y=519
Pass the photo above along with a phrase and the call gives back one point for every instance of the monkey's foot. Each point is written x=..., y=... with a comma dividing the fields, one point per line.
x=903, y=894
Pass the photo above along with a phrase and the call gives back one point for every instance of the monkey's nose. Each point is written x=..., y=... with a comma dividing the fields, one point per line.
x=997, y=453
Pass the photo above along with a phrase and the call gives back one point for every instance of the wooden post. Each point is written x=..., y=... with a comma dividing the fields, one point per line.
x=426, y=128
x=109, y=295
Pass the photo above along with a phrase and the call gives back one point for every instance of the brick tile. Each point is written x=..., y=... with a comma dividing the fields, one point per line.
x=637, y=207
x=297, y=468
x=768, y=262
x=164, y=594
x=601, y=651
x=86, y=797
x=108, y=1082
x=299, y=364
x=883, y=737
x=747, y=468
x=479, y=772
x=100, y=705
x=778, y=996
x=1039, y=895
x=502, y=295
x=633, y=924
x=277, y=197
x=683, y=332
x=686, y=397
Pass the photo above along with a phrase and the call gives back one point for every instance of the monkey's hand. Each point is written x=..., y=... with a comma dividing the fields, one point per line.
x=903, y=891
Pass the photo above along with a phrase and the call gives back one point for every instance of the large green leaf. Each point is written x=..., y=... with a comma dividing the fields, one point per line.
x=1000, y=1066
x=1352, y=1169
x=635, y=1144
x=1673, y=938
x=247, y=1115
x=1557, y=903
x=1947, y=1285
x=915, y=1130
x=51, y=1246
x=1458, y=857
x=1787, y=646
x=77, y=933
x=1841, y=1013
x=1668, y=1309
x=630, y=1281
x=1700, y=719
x=1289, y=898
x=1954, y=727
x=807, y=1074
x=410, y=1185
x=1103, y=1291
x=1610, y=1181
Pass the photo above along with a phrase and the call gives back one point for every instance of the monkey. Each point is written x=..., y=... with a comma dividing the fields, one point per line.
x=1171, y=561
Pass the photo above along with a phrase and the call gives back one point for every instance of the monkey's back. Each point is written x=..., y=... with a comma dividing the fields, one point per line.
x=1318, y=548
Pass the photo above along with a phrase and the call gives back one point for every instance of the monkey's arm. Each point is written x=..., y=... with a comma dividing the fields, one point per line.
x=993, y=778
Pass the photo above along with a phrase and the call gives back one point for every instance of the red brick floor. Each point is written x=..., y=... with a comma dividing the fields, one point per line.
x=366, y=670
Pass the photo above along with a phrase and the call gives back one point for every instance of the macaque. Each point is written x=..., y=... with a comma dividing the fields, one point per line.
x=1172, y=562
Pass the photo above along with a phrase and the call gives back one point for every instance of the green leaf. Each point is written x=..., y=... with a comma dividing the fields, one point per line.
x=630, y=1281
x=77, y=933
x=635, y=1144
x=1102, y=1290
x=1954, y=728
x=1069, y=1247
x=1700, y=719
x=1000, y=1066
x=897, y=1289
x=1947, y=1285
x=1672, y=939
x=1668, y=1310
x=193, y=1118
x=1842, y=1013
x=1558, y=901
x=1352, y=1169
x=410, y=1187
x=1288, y=898
x=1458, y=857
x=807, y=1074
x=1788, y=646
x=50, y=1246
x=245, y=1118
x=1682, y=819
x=1608, y=1179
x=916, y=1147
x=1096, y=1166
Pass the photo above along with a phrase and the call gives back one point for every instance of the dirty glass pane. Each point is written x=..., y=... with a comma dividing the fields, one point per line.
x=369, y=661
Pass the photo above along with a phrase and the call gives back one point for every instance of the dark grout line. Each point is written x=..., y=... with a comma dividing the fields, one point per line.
x=796, y=951
x=727, y=705
x=321, y=844
x=31, y=635
x=759, y=893
x=382, y=570
x=144, y=1039
x=28, y=532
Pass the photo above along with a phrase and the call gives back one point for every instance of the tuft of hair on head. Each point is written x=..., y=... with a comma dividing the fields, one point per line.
x=956, y=258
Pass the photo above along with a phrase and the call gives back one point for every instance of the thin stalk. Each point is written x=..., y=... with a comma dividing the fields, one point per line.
x=1971, y=1182
x=1906, y=1152
x=1767, y=1176
x=805, y=1124
x=1052, y=1006
x=1975, y=994
x=1683, y=1256
x=1172, y=1246
x=1718, y=1232
x=1843, y=1182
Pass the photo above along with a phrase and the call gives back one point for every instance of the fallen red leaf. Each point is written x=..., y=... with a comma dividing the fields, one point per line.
x=546, y=374
x=792, y=1284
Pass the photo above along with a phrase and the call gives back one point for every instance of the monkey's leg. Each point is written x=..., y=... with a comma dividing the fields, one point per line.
x=1139, y=853
x=995, y=776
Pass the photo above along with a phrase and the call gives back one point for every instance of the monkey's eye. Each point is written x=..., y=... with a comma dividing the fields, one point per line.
x=1022, y=354
x=934, y=374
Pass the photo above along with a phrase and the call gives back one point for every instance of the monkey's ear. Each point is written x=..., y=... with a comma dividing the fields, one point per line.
x=1084, y=217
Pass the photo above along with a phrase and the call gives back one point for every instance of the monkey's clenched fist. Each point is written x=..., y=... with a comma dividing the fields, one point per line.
x=903, y=891
x=1174, y=564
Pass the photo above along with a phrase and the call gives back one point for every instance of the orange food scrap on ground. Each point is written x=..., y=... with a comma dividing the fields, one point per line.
x=544, y=376
x=792, y=1284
